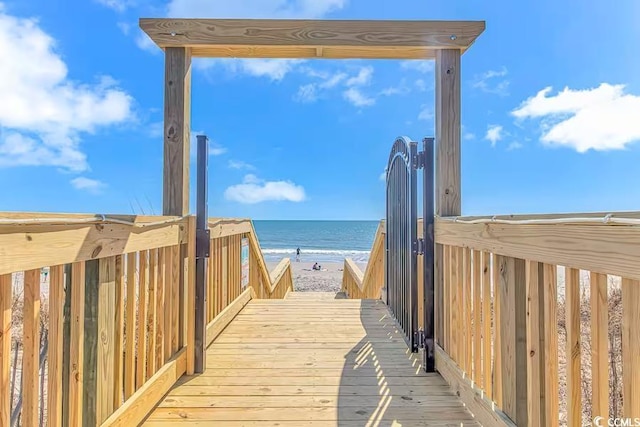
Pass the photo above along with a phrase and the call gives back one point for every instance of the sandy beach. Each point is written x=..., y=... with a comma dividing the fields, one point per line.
x=305, y=279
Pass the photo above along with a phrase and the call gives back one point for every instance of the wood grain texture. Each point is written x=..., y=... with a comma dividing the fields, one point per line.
x=118, y=328
x=31, y=349
x=190, y=292
x=486, y=324
x=105, y=357
x=5, y=348
x=477, y=322
x=143, y=303
x=631, y=348
x=359, y=378
x=551, y=385
x=142, y=401
x=177, y=131
x=599, y=345
x=56, y=351
x=131, y=325
x=535, y=337
x=76, y=364
x=574, y=364
x=474, y=397
x=605, y=249
x=32, y=246
x=292, y=38
x=447, y=116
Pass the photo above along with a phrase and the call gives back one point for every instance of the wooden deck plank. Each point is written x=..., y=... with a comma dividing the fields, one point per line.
x=292, y=362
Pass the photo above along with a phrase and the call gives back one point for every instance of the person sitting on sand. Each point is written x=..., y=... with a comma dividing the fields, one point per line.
x=316, y=267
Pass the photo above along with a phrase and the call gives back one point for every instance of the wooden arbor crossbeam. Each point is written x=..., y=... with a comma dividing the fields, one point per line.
x=289, y=38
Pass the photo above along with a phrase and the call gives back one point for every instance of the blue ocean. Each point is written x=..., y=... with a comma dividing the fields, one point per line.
x=321, y=241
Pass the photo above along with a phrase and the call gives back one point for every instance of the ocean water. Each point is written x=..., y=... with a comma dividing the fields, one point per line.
x=321, y=241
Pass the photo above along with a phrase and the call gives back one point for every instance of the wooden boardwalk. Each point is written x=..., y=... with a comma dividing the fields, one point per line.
x=311, y=361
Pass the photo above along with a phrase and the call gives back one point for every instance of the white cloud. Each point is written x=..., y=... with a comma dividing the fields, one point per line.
x=492, y=81
x=87, y=184
x=514, y=146
x=426, y=114
x=421, y=85
x=468, y=136
x=383, y=175
x=254, y=190
x=422, y=66
x=216, y=149
x=601, y=118
x=144, y=42
x=357, y=98
x=117, y=5
x=362, y=78
x=239, y=164
x=43, y=113
x=494, y=134
x=400, y=89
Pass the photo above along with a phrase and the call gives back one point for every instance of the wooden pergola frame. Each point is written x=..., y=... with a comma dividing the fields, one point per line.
x=182, y=39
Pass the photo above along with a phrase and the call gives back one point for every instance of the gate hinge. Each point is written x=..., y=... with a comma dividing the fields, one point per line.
x=420, y=338
x=418, y=160
x=203, y=243
x=419, y=246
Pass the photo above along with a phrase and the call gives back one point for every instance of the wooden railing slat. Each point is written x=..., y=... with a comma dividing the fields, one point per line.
x=486, y=323
x=56, y=351
x=118, y=341
x=167, y=304
x=31, y=349
x=151, y=313
x=160, y=310
x=631, y=348
x=498, y=262
x=574, y=383
x=76, y=365
x=175, y=299
x=143, y=303
x=130, y=331
x=5, y=348
x=454, y=264
x=550, y=302
x=599, y=345
x=467, y=288
x=535, y=337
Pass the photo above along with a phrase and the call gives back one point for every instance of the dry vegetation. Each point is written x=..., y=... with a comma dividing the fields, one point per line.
x=615, y=352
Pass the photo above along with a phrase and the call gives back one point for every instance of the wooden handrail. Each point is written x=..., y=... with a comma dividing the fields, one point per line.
x=118, y=307
x=367, y=285
x=497, y=306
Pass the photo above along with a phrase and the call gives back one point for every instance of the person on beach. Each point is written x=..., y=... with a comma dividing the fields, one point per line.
x=298, y=255
x=316, y=267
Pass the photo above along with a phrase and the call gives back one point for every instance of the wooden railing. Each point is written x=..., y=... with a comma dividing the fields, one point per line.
x=93, y=316
x=367, y=285
x=227, y=293
x=538, y=320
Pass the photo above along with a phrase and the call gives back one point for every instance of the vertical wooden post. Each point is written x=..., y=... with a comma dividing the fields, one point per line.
x=177, y=118
x=447, y=115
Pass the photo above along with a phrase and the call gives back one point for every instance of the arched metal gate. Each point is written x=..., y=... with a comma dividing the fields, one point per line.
x=403, y=245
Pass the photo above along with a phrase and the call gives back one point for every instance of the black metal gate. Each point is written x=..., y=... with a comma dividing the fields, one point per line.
x=403, y=244
x=402, y=230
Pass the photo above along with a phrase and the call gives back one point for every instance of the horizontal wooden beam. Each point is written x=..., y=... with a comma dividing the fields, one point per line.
x=606, y=249
x=291, y=38
x=26, y=247
x=224, y=227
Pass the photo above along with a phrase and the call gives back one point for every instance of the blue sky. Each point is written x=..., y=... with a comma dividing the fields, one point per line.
x=551, y=110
